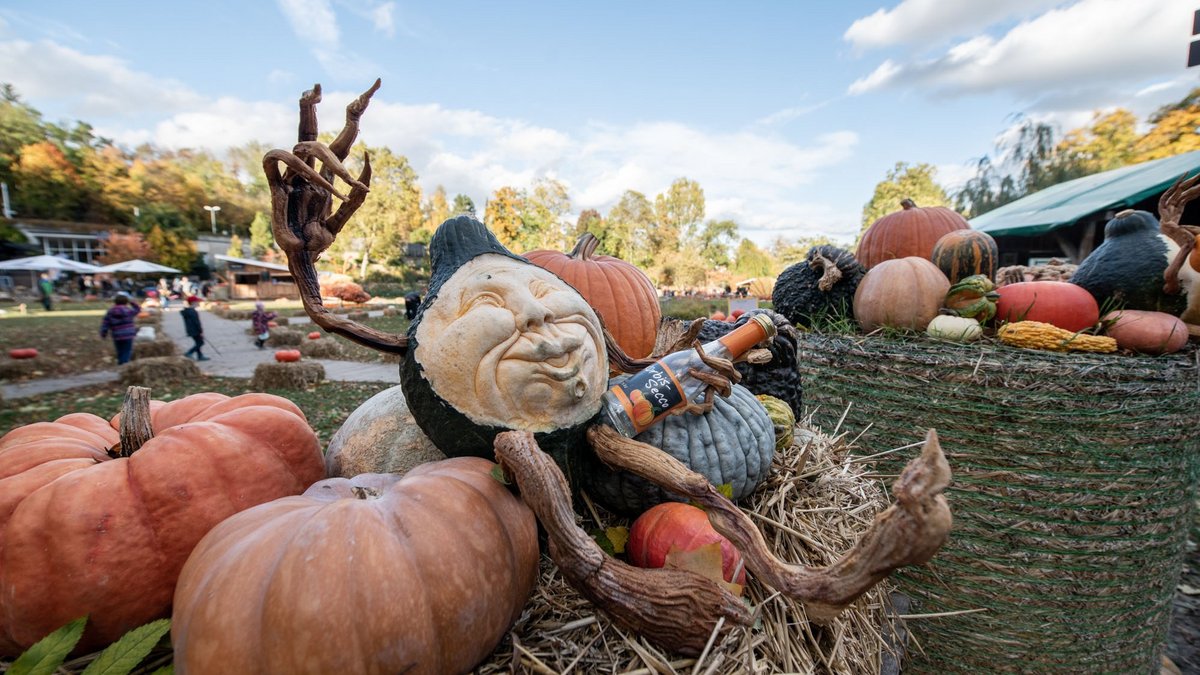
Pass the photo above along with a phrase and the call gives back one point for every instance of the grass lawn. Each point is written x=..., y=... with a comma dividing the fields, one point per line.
x=326, y=405
x=67, y=339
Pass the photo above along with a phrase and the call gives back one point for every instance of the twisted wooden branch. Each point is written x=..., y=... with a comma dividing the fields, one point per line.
x=908, y=533
x=675, y=609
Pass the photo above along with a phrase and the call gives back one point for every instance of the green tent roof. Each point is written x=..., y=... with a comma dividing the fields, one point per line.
x=1063, y=204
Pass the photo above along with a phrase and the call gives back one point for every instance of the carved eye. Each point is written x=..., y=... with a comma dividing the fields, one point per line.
x=541, y=288
x=484, y=300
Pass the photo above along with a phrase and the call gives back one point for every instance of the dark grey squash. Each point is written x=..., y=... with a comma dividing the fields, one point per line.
x=733, y=443
x=798, y=294
x=779, y=377
x=1126, y=270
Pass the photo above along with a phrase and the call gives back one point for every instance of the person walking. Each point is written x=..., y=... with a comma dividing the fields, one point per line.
x=260, y=321
x=191, y=323
x=119, y=321
x=46, y=289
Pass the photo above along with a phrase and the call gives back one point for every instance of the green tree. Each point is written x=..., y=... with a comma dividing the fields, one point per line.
x=590, y=221
x=784, y=254
x=20, y=125
x=262, y=241
x=629, y=224
x=544, y=222
x=751, y=260
x=715, y=240
x=463, y=204
x=903, y=182
x=678, y=212
x=387, y=219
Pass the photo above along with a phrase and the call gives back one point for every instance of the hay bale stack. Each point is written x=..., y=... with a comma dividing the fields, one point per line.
x=1074, y=476
x=813, y=491
x=357, y=316
x=324, y=348
x=16, y=369
x=238, y=314
x=285, y=337
x=158, y=370
x=162, y=346
x=391, y=310
x=294, y=375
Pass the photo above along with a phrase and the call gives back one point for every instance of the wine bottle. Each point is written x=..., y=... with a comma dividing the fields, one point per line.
x=647, y=396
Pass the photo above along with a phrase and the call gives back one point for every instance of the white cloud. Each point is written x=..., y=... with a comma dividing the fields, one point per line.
x=1087, y=43
x=313, y=21
x=384, y=18
x=924, y=22
x=93, y=87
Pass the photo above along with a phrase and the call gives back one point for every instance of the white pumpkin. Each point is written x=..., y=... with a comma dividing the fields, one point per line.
x=954, y=328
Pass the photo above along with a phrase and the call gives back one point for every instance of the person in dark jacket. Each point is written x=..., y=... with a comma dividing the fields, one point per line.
x=191, y=323
x=119, y=320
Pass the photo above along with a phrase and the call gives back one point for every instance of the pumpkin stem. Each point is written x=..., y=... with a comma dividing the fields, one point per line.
x=907, y=203
x=830, y=274
x=585, y=246
x=135, y=421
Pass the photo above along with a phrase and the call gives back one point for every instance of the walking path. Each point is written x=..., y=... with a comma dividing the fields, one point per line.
x=231, y=353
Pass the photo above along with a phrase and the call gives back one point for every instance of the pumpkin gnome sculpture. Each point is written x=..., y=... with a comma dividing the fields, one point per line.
x=504, y=359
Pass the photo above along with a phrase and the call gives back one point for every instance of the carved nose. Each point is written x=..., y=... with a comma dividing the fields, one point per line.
x=532, y=314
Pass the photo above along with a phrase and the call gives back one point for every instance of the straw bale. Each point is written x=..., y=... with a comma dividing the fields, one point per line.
x=162, y=346
x=323, y=348
x=1072, y=493
x=238, y=314
x=285, y=337
x=814, y=506
x=158, y=370
x=357, y=316
x=294, y=375
x=15, y=369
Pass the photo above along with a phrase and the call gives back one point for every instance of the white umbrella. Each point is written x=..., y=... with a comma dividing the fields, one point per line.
x=138, y=266
x=47, y=262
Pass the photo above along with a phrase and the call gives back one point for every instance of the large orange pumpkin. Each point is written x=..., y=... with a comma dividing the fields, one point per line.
x=375, y=574
x=287, y=355
x=87, y=531
x=911, y=231
x=904, y=293
x=620, y=293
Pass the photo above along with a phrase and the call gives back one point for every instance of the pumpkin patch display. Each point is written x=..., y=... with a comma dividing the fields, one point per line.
x=287, y=355
x=819, y=288
x=621, y=294
x=964, y=253
x=420, y=574
x=905, y=293
x=674, y=526
x=26, y=353
x=1058, y=303
x=1146, y=332
x=911, y=231
x=98, y=516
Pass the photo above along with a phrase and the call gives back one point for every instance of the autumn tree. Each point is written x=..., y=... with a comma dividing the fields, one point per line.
x=235, y=247
x=170, y=249
x=1173, y=131
x=543, y=219
x=903, y=182
x=589, y=220
x=502, y=213
x=119, y=247
x=435, y=210
x=46, y=184
x=784, y=254
x=384, y=223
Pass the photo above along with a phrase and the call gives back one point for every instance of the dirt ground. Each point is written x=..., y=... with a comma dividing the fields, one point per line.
x=1183, y=640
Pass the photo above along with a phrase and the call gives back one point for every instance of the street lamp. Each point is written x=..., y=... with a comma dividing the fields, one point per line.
x=212, y=211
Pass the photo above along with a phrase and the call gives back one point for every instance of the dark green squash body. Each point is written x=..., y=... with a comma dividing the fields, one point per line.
x=1126, y=270
x=964, y=253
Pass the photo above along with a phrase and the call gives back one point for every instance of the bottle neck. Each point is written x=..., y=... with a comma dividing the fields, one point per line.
x=739, y=341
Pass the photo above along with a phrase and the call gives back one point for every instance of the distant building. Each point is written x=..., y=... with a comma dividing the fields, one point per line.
x=255, y=279
x=211, y=245
x=82, y=242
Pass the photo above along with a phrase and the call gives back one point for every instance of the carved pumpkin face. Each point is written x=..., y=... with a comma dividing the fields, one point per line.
x=510, y=344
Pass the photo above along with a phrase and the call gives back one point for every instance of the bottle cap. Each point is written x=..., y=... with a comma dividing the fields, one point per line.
x=767, y=324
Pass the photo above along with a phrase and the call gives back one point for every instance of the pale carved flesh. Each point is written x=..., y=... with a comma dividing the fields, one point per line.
x=510, y=344
x=528, y=373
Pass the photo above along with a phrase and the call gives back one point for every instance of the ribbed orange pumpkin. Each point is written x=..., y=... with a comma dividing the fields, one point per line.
x=911, y=231
x=85, y=533
x=904, y=293
x=620, y=293
x=374, y=574
x=963, y=253
x=287, y=355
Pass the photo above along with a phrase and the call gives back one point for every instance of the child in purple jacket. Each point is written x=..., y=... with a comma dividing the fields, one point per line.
x=119, y=320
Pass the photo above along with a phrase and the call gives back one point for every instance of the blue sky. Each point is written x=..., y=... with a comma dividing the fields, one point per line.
x=787, y=113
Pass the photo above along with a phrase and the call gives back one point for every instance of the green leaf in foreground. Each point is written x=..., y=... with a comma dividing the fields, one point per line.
x=168, y=669
x=44, y=657
x=122, y=656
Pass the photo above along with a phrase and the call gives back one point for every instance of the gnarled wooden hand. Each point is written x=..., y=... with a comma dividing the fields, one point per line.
x=302, y=216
